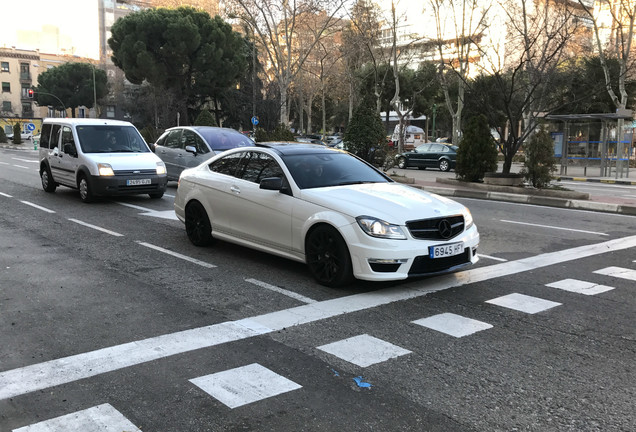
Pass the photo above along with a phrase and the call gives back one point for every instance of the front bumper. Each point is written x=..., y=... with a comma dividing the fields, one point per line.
x=117, y=185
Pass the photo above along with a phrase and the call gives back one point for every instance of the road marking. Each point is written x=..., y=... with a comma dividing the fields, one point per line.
x=60, y=371
x=177, y=255
x=492, y=257
x=452, y=324
x=523, y=303
x=364, y=350
x=101, y=418
x=164, y=214
x=555, y=209
x=553, y=227
x=4, y=163
x=291, y=294
x=580, y=287
x=618, y=272
x=6, y=195
x=244, y=385
x=37, y=206
x=20, y=166
x=104, y=230
x=25, y=160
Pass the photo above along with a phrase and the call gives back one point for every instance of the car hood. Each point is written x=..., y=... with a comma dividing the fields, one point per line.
x=125, y=161
x=391, y=202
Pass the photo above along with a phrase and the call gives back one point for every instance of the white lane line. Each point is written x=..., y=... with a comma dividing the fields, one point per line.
x=51, y=373
x=523, y=303
x=364, y=350
x=553, y=227
x=618, y=272
x=95, y=227
x=25, y=160
x=20, y=166
x=6, y=195
x=4, y=163
x=37, y=206
x=135, y=207
x=554, y=209
x=453, y=324
x=177, y=255
x=101, y=418
x=492, y=257
x=580, y=287
x=164, y=214
x=291, y=294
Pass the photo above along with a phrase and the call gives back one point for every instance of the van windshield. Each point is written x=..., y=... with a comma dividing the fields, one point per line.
x=111, y=139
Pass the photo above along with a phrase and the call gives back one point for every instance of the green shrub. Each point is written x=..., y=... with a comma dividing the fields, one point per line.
x=261, y=135
x=281, y=133
x=365, y=136
x=477, y=152
x=539, y=164
x=150, y=134
x=205, y=118
x=3, y=136
x=17, y=130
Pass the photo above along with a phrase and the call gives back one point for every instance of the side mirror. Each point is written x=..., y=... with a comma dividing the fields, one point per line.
x=191, y=149
x=69, y=148
x=271, y=183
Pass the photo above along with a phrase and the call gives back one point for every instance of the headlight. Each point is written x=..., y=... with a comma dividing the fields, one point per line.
x=161, y=168
x=468, y=218
x=105, y=169
x=379, y=228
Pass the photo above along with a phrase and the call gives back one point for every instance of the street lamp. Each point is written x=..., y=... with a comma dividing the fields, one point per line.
x=251, y=27
x=52, y=95
x=94, y=92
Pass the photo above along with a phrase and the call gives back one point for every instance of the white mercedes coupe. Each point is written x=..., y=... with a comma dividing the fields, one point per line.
x=326, y=208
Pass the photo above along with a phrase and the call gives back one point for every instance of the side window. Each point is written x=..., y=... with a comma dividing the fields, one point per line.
x=227, y=165
x=173, y=140
x=258, y=167
x=191, y=138
x=423, y=148
x=45, y=136
x=55, y=136
x=436, y=148
x=68, y=142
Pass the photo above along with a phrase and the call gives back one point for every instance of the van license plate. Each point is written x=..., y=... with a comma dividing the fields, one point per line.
x=137, y=182
x=446, y=250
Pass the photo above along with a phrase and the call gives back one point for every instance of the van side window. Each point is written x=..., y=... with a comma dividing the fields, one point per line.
x=68, y=142
x=55, y=136
x=45, y=136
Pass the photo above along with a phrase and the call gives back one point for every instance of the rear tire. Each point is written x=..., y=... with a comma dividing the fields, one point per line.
x=328, y=257
x=444, y=165
x=402, y=163
x=47, y=180
x=156, y=195
x=197, y=224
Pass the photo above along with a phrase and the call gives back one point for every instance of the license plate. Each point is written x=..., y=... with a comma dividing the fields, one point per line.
x=446, y=250
x=137, y=182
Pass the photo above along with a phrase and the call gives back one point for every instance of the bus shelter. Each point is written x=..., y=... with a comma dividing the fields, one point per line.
x=591, y=142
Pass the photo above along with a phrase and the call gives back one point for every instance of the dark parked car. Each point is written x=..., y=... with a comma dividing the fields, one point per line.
x=188, y=146
x=430, y=155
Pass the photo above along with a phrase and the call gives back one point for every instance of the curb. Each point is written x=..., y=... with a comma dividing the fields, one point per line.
x=533, y=200
x=597, y=180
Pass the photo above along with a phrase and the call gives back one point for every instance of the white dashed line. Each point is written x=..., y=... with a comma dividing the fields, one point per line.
x=177, y=255
x=364, y=350
x=523, y=303
x=6, y=195
x=101, y=418
x=291, y=294
x=37, y=206
x=492, y=258
x=618, y=272
x=452, y=324
x=104, y=230
x=20, y=166
x=580, y=287
x=553, y=227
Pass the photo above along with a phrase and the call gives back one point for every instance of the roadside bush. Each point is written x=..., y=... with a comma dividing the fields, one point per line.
x=539, y=164
x=281, y=133
x=3, y=136
x=365, y=136
x=477, y=153
x=205, y=118
x=17, y=130
x=150, y=134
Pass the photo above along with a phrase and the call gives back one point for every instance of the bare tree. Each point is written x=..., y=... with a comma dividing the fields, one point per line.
x=276, y=24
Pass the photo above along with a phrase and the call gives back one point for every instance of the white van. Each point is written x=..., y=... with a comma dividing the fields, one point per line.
x=413, y=137
x=98, y=157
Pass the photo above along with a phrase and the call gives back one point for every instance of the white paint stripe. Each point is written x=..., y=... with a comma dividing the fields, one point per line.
x=291, y=294
x=523, y=303
x=553, y=227
x=6, y=195
x=37, y=206
x=580, y=287
x=4, y=163
x=618, y=272
x=104, y=230
x=25, y=160
x=101, y=418
x=20, y=166
x=492, y=257
x=135, y=207
x=177, y=255
x=453, y=324
x=35, y=377
x=554, y=209
x=364, y=350
x=171, y=196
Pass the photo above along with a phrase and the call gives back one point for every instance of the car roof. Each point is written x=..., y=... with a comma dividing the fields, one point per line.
x=200, y=128
x=292, y=148
x=86, y=121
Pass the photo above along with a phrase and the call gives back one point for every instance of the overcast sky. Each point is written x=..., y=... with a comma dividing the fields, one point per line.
x=77, y=21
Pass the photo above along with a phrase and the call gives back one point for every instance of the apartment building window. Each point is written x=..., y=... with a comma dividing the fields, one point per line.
x=25, y=91
x=6, y=87
x=6, y=106
x=81, y=112
x=27, y=109
x=5, y=66
x=110, y=111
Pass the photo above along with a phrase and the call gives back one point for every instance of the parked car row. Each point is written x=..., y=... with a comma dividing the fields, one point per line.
x=309, y=203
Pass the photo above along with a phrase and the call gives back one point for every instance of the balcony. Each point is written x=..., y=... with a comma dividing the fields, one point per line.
x=25, y=77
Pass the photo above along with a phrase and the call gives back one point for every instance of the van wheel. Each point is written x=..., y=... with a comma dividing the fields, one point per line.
x=47, y=180
x=156, y=195
x=86, y=194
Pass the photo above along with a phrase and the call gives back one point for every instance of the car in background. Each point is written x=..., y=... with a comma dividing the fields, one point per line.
x=23, y=136
x=310, y=140
x=183, y=147
x=326, y=208
x=429, y=155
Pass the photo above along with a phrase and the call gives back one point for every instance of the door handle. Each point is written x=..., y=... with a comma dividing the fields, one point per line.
x=235, y=189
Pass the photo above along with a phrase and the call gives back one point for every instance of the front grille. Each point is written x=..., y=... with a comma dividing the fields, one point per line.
x=144, y=172
x=429, y=229
x=424, y=264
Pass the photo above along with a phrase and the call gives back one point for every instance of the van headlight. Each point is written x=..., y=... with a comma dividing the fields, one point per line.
x=378, y=228
x=161, y=168
x=105, y=169
x=468, y=218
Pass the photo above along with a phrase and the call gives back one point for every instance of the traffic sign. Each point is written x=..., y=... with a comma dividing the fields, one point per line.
x=254, y=120
x=30, y=127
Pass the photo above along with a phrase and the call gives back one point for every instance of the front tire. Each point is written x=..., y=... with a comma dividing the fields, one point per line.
x=47, y=180
x=328, y=257
x=197, y=224
x=156, y=195
x=85, y=190
x=444, y=165
x=402, y=163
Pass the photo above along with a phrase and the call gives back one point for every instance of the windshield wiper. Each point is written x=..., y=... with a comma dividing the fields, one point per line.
x=345, y=183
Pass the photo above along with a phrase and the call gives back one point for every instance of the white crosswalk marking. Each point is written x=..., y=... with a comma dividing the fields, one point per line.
x=101, y=418
x=452, y=324
x=244, y=385
x=523, y=303
x=618, y=272
x=364, y=350
x=581, y=287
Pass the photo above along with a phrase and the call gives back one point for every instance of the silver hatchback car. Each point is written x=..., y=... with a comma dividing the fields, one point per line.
x=188, y=146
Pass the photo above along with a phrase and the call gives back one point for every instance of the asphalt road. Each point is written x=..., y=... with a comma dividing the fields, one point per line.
x=111, y=320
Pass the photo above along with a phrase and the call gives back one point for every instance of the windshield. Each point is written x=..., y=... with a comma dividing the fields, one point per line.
x=220, y=139
x=331, y=169
x=111, y=139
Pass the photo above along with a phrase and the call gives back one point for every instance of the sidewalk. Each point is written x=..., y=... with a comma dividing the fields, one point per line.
x=445, y=183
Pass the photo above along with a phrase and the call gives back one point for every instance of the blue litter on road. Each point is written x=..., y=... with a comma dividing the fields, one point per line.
x=335, y=372
x=360, y=382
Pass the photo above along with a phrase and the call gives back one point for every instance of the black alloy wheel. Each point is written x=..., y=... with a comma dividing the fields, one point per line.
x=197, y=224
x=328, y=257
x=402, y=163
